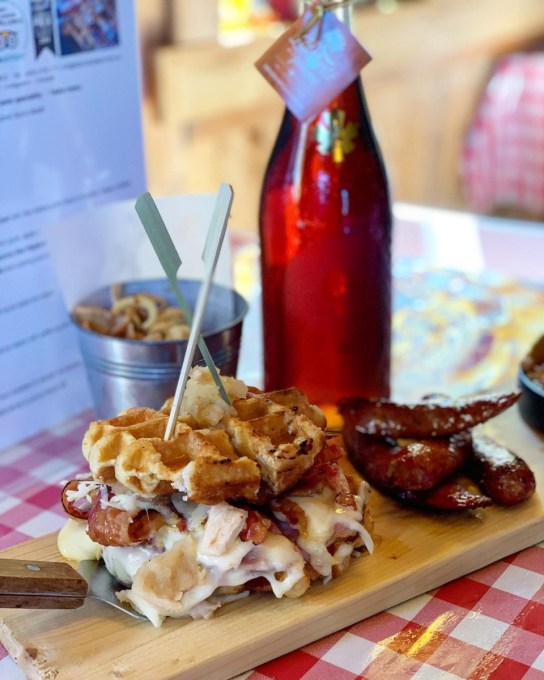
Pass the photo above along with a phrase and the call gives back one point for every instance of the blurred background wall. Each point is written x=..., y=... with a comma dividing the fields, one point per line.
x=210, y=117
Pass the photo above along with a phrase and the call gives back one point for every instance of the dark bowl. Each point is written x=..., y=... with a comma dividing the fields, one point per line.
x=531, y=402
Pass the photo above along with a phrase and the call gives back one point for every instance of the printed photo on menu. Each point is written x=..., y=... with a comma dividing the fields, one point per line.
x=85, y=25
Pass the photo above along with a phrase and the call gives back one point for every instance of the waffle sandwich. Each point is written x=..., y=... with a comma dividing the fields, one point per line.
x=246, y=497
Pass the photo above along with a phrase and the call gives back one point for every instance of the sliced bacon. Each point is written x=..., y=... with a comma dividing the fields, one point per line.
x=290, y=512
x=111, y=526
x=256, y=528
x=338, y=482
x=331, y=452
x=326, y=472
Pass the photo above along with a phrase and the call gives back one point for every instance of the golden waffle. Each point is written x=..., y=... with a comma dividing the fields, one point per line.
x=264, y=442
x=130, y=449
x=106, y=438
x=281, y=439
x=297, y=402
x=201, y=464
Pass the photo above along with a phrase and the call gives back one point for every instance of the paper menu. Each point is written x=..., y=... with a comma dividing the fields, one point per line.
x=70, y=139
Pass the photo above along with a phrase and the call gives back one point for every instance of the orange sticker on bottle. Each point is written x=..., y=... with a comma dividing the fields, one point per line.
x=313, y=62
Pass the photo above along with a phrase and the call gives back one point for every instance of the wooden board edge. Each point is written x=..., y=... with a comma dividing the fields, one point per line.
x=19, y=654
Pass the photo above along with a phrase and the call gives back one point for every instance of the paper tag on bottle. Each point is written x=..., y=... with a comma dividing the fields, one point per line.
x=313, y=62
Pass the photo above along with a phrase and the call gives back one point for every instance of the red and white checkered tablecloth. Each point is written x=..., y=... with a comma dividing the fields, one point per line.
x=503, y=157
x=488, y=625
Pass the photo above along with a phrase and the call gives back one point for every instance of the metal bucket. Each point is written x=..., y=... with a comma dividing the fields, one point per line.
x=124, y=373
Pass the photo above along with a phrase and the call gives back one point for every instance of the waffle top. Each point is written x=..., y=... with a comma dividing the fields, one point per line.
x=258, y=448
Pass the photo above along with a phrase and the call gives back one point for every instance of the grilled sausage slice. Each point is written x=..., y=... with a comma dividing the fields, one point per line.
x=433, y=417
x=504, y=476
x=393, y=465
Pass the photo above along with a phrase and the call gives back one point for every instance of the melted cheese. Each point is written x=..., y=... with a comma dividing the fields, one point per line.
x=324, y=518
x=232, y=562
x=276, y=559
x=230, y=559
x=123, y=562
x=275, y=556
x=74, y=543
x=140, y=605
x=240, y=564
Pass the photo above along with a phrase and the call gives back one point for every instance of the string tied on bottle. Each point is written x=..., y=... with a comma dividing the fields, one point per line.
x=318, y=9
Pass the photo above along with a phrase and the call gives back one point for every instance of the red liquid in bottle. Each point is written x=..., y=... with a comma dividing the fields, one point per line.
x=325, y=227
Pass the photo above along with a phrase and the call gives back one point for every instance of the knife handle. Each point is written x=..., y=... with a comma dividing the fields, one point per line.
x=27, y=584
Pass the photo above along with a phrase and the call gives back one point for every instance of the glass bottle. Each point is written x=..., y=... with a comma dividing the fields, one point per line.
x=325, y=228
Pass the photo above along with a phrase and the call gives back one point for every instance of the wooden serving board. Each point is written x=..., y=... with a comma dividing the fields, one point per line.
x=414, y=554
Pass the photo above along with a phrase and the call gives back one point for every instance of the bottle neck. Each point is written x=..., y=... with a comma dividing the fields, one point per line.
x=343, y=13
